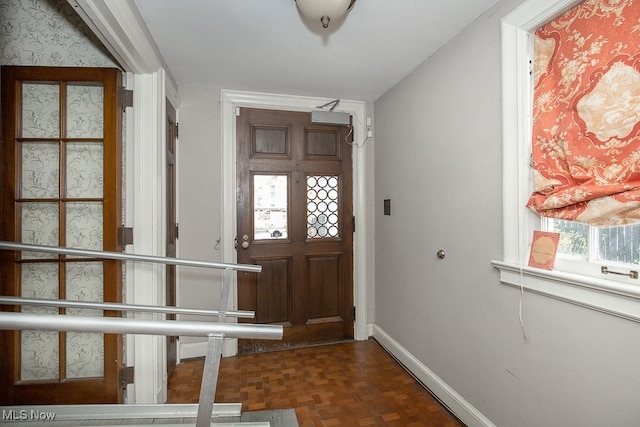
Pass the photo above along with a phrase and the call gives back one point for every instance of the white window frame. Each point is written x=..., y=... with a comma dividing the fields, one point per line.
x=602, y=294
x=591, y=264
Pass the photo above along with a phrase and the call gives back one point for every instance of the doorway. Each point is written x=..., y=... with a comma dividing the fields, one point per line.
x=362, y=156
x=295, y=219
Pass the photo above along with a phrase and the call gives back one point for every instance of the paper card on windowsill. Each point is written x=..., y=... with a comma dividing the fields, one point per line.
x=543, y=249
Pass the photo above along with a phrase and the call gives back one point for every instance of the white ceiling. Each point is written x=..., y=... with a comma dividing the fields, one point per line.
x=267, y=46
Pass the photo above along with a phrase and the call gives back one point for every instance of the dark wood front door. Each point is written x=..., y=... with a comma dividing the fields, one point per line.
x=295, y=219
x=60, y=186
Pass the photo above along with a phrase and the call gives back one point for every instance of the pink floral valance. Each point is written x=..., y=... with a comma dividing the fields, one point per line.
x=586, y=115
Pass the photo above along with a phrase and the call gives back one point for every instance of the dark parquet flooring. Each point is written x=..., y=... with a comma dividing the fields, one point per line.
x=344, y=384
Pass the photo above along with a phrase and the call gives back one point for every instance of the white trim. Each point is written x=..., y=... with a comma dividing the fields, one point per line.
x=614, y=298
x=462, y=409
x=597, y=294
x=362, y=186
x=149, y=218
x=192, y=350
x=122, y=30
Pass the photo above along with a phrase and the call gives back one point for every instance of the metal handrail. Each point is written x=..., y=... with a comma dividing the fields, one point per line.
x=119, y=325
x=128, y=257
x=216, y=332
x=113, y=306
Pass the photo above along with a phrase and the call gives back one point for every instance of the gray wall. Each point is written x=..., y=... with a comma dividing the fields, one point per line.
x=439, y=159
x=199, y=195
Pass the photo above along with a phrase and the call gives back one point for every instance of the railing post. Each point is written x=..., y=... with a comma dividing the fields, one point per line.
x=224, y=297
x=212, y=361
x=209, y=380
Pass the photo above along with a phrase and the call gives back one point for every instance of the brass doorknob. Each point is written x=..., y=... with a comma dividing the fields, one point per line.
x=245, y=244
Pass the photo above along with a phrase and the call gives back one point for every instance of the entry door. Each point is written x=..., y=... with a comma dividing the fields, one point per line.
x=295, y=219
x=172, y=229
x=61, y=163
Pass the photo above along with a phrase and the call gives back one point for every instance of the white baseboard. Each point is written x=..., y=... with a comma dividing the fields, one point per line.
x=462, y=409
x=192, y=350
x=199, y=349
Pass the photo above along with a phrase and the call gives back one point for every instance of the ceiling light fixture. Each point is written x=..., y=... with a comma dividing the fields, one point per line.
x=324, y=10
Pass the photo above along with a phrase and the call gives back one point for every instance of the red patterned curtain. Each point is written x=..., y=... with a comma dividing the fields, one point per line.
x=586, y=115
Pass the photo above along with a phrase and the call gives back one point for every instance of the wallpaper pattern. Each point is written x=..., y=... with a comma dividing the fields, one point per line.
x=47, y=33
x=82, y=224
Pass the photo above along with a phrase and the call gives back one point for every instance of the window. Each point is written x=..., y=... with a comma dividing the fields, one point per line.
x=617, y=295
x=610, y=245
x=585, y=86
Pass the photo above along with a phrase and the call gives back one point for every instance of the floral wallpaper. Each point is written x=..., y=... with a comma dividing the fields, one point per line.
x=40, y=170
x=48, y=33
x=84, y=169
x=84, y=350
x=84, y=111
x=40, y=110
x=40, y=349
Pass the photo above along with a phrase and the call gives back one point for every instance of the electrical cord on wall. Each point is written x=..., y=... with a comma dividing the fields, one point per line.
x=353, y=144
x=524, y=331
x=520, y=303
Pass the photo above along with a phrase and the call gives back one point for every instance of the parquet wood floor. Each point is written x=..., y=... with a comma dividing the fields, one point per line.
x=344, y=384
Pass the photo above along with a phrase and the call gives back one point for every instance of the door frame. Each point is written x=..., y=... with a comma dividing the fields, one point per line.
x=362, y=191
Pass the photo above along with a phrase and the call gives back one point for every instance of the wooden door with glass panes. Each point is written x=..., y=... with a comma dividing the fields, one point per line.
x=61, y=174
x=295, y=219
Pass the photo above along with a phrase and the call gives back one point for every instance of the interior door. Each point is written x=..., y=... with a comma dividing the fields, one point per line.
x=172, y=230
x=61, y=175
x=295, y=219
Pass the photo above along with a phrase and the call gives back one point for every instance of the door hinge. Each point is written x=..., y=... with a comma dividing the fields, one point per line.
x=354, y=311
x=177, y=230
x=125, y=376
x=125, y=98
x=354, y=224
x=125, y=236
x=177, y=131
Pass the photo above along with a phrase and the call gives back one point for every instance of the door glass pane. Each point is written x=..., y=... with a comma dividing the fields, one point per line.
x=40, y=224
x=40, y=170
x=84, y=225
x=84, y=111
x=84, y=170
x=40, y=110
x=270, y=200
x=84, y=350
x=322, y=207
x=39, y=350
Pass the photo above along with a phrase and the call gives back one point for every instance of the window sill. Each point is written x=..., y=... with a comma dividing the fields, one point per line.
x=607, y=296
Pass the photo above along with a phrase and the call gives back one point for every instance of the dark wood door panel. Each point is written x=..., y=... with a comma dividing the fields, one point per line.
x=312, y=293
x=272, y=142
x=273, y=291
